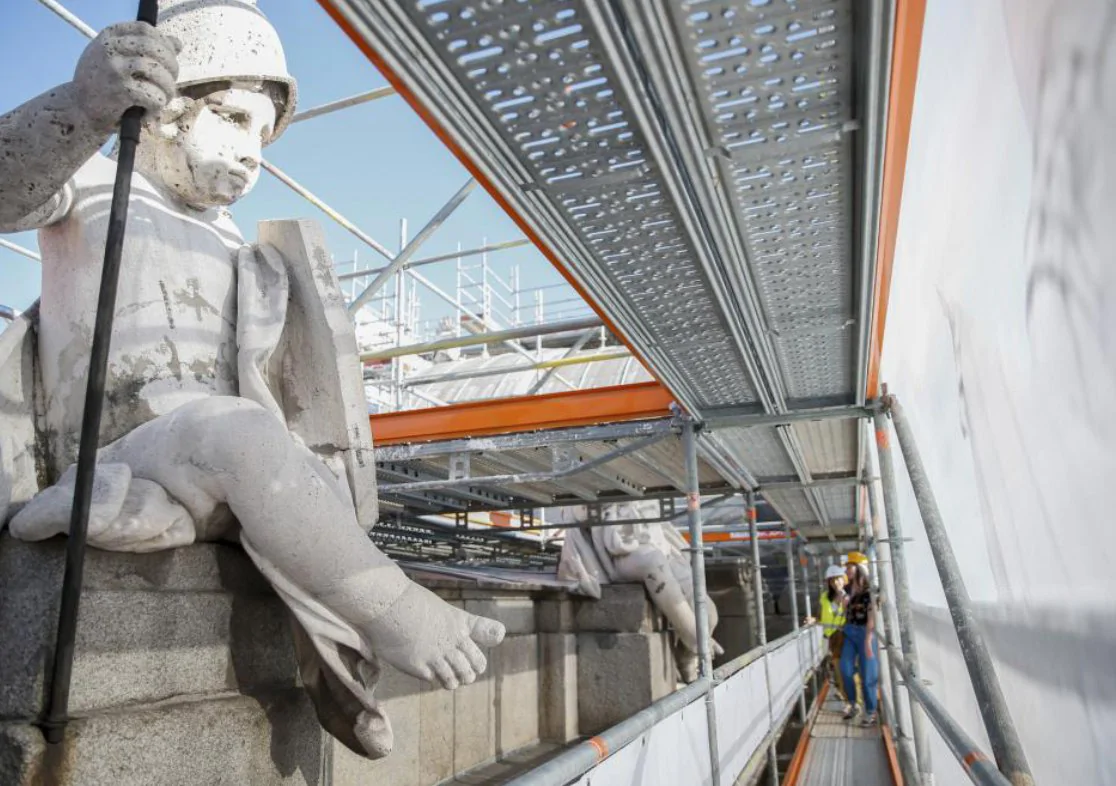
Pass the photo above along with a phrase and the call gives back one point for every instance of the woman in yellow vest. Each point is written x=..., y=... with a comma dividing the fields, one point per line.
x=831, y=615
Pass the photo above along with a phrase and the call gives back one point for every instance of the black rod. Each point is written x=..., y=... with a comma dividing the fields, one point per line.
x=58, y=699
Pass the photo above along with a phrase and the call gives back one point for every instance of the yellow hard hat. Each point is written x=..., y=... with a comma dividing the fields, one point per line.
x=856, y=558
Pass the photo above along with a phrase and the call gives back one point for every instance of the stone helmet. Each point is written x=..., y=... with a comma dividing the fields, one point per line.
x=230, y=41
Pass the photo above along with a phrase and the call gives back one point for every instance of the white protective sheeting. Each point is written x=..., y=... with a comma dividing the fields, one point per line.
x=675, y=752
x=1001, y=342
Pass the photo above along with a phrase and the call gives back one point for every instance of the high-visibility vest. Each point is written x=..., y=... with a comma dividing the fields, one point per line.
x=832, y=619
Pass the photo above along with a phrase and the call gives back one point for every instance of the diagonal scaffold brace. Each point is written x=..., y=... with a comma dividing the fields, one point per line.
x=58, y=697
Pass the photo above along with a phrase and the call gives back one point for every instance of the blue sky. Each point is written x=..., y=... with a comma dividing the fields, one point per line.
x=376, y=163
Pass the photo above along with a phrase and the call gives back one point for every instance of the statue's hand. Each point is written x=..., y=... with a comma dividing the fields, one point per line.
x=128, y=64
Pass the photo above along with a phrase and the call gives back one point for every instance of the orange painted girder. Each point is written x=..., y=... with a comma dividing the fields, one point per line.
x=523, y=413
x=909, y=16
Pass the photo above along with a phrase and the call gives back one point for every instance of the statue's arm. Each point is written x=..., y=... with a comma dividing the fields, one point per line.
x=46, y=140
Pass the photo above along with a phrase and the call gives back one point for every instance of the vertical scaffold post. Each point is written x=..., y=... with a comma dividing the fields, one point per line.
x=885, y=610
x=902, y=593
x=761, y=629
x=697, y=568
x=793, y=590
x=807, y=590
x=1005, y=742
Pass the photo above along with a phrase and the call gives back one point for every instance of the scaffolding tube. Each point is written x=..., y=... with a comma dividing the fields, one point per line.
x=761, y=629
x=495, y=336
x=697, y=571
x=399, y=261
x=793, y=586
x=471, y=252
x=974, y=762
x=344, y=103
x=1006, y=745
x=20, y=250
x=902, y=593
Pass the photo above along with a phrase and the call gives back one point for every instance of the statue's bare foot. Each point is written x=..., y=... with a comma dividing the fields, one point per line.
x=426, y=637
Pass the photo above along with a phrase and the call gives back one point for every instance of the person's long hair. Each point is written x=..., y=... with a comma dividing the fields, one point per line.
x=861, y=581
x=831, y=591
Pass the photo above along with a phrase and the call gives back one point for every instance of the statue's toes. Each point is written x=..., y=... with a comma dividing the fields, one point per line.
x=461, y=667
x=487, y=633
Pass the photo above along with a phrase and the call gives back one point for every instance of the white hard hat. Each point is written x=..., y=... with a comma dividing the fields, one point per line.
x=229, y=40
x=834, y=572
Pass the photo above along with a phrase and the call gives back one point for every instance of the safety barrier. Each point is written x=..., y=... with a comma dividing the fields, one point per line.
x=668, y=743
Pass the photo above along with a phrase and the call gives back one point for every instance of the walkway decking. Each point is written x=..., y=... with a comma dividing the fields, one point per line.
x=844, y=754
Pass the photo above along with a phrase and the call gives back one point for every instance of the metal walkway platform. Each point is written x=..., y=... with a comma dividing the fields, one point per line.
x=844, y=754
x=707, y=175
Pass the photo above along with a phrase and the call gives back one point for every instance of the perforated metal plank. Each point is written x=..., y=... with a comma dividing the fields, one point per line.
x=829, y=446
x=775, y=80
x=538, y=78
x=546, y=97
x=838, y=503
x=794, y=505
x=759, y=449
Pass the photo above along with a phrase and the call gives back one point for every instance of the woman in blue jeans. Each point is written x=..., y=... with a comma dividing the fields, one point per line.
x=860, y=652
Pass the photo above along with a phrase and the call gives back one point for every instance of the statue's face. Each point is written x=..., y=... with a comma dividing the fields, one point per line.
x=209, y=152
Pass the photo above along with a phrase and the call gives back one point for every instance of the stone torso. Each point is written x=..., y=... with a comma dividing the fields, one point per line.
x=174, y=333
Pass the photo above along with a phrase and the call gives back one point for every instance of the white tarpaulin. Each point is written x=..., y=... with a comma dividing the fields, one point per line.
x=1001, y=342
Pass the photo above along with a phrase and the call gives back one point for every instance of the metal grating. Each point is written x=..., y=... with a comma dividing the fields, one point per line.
x=775, y=80
x=829, y=446
x=692, y=164
x=537, y=70
x=759, y=449
x=794, y=505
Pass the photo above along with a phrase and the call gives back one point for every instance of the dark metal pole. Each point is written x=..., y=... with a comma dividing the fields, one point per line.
x=697, y=568
x=54, y=725
x=761, y=632
x=1006, y=745
x=902, y=593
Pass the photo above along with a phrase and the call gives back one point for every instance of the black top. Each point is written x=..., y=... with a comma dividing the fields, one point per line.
x=860, y=606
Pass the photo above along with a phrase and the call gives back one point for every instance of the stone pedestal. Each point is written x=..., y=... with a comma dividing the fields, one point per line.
x=624, y=657
x=184, y=672
x=730, y=588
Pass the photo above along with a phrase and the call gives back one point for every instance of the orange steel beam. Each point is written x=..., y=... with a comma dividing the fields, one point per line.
x=447, y=140
x=909, y=16
x=523, y=413
x=724, y=537
x=892, y=757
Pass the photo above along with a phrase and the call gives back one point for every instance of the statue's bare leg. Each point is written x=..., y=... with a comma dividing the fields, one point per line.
x=230, y=451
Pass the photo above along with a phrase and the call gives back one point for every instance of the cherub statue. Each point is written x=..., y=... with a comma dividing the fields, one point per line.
x=217, y=396
x=639, y=550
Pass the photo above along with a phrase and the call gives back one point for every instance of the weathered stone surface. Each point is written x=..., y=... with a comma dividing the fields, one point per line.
x=555, y=614
x=436, y=734
x=517, y=612
x=558, y=687
x=619, y=674
x=151, y=627
x=474, y=722
x=516, y=669
x=623, y=608
x=400, y=697
x=236, y=741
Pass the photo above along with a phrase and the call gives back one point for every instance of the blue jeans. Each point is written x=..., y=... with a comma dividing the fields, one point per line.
x=853, y=659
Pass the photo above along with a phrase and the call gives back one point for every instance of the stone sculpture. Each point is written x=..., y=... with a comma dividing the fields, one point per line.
x=639, y=550
x=223, y=420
